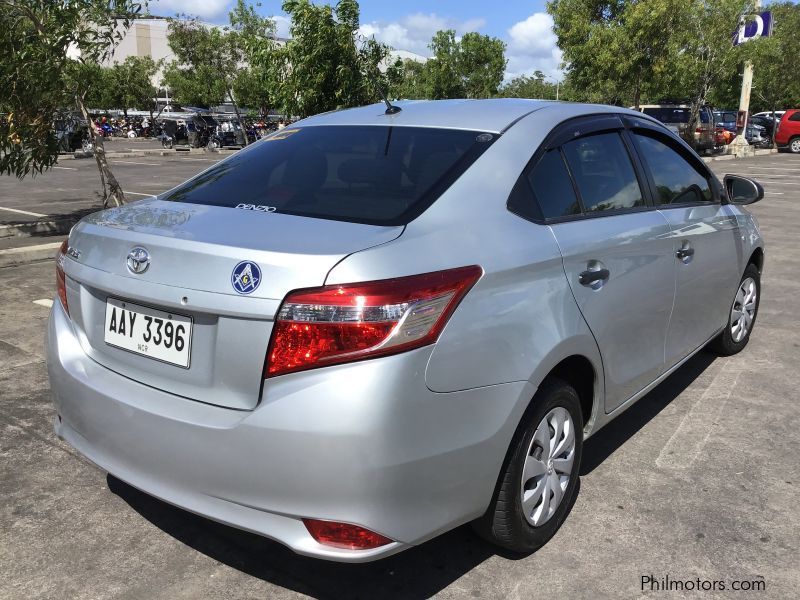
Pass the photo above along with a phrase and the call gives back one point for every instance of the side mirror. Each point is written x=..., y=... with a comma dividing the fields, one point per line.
x=742, y=190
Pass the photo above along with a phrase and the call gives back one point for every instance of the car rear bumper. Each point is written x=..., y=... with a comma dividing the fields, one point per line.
x=365, y=443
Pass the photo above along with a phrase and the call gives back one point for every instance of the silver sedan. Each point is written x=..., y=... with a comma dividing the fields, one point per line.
x=376, y=325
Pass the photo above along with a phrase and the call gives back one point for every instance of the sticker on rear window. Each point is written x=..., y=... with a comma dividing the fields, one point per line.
x=281, y=135
x=245, y=277
x=256, y=207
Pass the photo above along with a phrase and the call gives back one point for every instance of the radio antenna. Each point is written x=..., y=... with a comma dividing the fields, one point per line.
x=391, y=109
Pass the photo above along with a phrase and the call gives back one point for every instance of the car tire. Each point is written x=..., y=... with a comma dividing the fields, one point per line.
x=505, y=522
x=732, y=341
x=794, y=145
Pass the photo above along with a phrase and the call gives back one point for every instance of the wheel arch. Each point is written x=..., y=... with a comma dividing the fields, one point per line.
x=757, y=259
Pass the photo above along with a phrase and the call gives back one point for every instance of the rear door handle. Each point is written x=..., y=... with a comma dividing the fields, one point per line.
x=593, y=277
x=685, y=253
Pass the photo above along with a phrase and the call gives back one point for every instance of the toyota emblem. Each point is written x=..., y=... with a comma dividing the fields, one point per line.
x=138, y=260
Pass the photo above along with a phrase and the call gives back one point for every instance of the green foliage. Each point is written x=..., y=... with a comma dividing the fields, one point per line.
x=206, y=61
x=618, y=50
x=533, y=86
x=130, y=83
x=34, y=39
x=323, y=66
x=258, y=77
x=470, y=67
x=776, y=83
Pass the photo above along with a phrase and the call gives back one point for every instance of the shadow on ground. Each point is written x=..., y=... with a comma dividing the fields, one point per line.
x=417, y=573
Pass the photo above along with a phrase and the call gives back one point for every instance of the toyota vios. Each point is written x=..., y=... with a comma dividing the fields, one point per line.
x=376, y=325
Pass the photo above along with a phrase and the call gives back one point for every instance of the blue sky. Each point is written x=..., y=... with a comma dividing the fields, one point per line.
x=409, y=24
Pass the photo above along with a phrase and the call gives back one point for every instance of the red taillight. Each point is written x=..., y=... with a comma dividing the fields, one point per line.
x=61, y=282
x=701, y=130
x=344, y=535
x=342, y=323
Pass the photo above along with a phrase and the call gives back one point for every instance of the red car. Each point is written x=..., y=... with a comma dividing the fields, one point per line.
x=788, y=134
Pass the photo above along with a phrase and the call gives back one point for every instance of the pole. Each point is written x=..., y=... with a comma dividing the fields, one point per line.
x=741, y=147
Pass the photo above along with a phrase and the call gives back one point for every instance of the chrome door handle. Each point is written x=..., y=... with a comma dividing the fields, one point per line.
x=593, y=277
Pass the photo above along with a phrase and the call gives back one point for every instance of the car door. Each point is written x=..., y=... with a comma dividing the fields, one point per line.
x=704, y=236
x=617, y=253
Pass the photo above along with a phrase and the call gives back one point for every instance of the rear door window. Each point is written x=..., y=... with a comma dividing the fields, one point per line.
x=604, y=173
x=366, y=174
x=668, y=115
x=552, y=187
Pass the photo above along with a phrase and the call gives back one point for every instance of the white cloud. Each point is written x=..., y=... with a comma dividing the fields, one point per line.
x=414, y=32
x=282, y=24
x=532, y=46
x=209, y=10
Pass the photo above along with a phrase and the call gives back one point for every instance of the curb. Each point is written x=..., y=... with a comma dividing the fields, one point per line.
x=150, y=152
x=12, y=257
x=49, y=227
x=756, y=153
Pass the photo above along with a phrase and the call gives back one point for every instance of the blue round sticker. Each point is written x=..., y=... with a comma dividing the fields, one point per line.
x=245, y=277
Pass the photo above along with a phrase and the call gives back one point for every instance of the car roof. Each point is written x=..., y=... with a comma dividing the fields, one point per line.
x=493, y=115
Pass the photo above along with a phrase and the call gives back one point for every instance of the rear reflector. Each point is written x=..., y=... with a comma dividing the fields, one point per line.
x=342, y=323
x=344, y=535
x=61, y=280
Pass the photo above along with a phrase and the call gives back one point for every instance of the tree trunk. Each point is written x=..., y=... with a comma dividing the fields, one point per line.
x=111, y=188
x=238, y=116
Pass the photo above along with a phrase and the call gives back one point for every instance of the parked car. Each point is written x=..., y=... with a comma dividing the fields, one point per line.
x=787, y=137
x=676, y=117
x=777, y=114
x=768, y=126
x=367, y=328
x=754, y=134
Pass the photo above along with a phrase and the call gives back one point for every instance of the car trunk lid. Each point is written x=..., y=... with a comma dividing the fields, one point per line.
x=194, y=252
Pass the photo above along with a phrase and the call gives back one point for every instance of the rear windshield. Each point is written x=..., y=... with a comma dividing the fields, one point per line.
x=668, y=115
x=366, y=174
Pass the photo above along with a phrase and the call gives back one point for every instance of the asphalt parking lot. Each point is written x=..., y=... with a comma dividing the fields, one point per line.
x=74, y=185
x=698, y=480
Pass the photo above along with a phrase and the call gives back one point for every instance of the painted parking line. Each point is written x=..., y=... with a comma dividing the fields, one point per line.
x=66, y=168
x=197, y=159
x=130, y=162
x=139, y=194
x=46, y=302
x=22, y=212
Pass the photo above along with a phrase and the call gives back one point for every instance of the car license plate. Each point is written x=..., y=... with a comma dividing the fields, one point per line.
x=152, y=333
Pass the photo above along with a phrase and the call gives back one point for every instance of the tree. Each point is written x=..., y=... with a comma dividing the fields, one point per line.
x=481, y=64
x=256, y=84
x=708, y=55
x=324, y=68
x=200, y=72
x=775, y=81
x=470, y=67
x=529, y=86
x=208, y=62
x=441, y=73
x=617, y=50
x=131, y=83
x=35, y=38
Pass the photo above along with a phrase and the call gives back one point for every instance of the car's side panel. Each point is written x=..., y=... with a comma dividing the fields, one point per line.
x=629, y=314
x=522, y=308
x=704, y=282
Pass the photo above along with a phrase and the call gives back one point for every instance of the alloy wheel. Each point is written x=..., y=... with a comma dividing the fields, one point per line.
x=548, y=466
x=744, y=309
